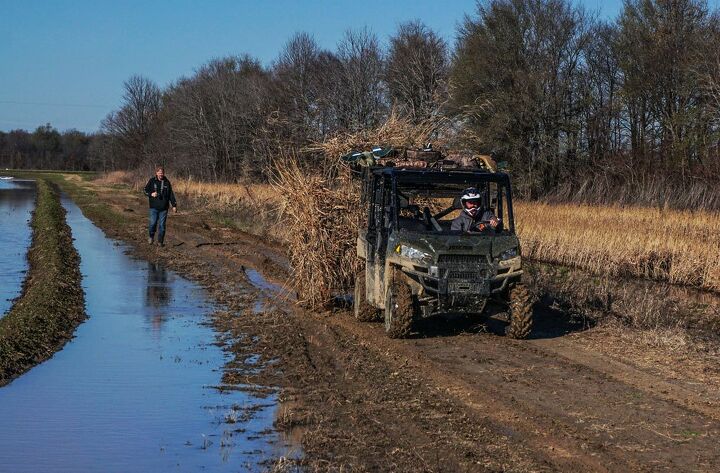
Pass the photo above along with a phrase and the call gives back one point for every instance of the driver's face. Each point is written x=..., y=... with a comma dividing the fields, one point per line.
x=471, y=204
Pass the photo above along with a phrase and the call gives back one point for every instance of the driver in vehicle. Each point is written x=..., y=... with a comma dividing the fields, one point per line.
x=473, y=217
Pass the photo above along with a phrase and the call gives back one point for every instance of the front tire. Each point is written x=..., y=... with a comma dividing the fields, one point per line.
x=363, y=311
x=521, y=313
x=399, y=309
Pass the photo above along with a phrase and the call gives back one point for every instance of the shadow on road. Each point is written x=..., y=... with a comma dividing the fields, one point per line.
x=548, y=322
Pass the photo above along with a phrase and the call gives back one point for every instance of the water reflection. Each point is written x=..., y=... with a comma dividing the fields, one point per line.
x=158, y=291
x=17, y=200
x=158, y=294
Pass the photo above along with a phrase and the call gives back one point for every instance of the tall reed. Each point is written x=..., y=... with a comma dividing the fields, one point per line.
x=676, y=246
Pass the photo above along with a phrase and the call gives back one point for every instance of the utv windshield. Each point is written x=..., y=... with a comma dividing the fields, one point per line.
x=431, y=201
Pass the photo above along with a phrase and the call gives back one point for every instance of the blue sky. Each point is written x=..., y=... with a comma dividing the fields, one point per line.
x=64, y=62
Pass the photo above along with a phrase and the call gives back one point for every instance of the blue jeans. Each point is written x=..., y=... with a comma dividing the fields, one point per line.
x=157, y=218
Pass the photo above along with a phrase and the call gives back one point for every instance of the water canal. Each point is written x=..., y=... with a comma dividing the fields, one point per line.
x=136, y=389
x=17, y=200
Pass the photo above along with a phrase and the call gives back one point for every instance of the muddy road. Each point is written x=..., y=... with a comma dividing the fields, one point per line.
x=458, y=396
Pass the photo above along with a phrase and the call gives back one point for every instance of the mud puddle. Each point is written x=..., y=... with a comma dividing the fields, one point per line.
x=17, y=201
x=136, y=389
x=269, y=292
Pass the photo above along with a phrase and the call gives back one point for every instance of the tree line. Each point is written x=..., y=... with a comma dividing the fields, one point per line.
x=572, y=103
x=47, y=148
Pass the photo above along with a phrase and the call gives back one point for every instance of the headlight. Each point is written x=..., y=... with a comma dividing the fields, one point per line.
x=411, y=253
x=508, y=254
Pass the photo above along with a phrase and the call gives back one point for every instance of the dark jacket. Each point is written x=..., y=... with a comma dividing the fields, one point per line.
x=165, y=195
x=466, y=223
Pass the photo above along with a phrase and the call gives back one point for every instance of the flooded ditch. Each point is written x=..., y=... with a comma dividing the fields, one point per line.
x=17, y=200
x=136, y=390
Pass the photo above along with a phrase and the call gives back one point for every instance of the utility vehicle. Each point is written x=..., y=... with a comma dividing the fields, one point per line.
x=415, y=265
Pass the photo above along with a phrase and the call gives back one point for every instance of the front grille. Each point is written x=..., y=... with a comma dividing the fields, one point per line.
x=461, y=259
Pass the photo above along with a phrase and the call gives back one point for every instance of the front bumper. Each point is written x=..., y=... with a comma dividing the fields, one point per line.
x=456, y=280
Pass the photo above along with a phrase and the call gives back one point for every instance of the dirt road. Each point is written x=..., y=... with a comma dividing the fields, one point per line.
x=458, y=396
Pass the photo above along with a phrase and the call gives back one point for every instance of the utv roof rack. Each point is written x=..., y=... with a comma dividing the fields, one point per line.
x=425, y=158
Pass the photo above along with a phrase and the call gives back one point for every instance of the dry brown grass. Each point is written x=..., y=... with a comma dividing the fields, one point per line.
x=119, y=177
x=679, y=247
x=320, y=226
x=222, y=196
x=253, y=208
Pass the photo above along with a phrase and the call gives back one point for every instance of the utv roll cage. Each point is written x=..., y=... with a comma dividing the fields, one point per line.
x=383, y=189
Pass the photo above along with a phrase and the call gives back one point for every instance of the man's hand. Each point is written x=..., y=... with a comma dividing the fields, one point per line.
x=174, y=210
x=154, y=194
x=494, y=222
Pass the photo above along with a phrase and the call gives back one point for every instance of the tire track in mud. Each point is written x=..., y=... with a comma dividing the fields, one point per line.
x=507, y=420
x=397, y=418
x=702, y=400
x=580, y=418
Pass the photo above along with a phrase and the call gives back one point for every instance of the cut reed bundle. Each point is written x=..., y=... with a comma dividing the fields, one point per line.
x=322, y=211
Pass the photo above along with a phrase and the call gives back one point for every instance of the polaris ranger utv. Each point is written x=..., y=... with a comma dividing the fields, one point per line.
x=416, y=266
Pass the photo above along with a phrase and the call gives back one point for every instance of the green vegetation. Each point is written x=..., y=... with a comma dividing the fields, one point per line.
x=52, y=303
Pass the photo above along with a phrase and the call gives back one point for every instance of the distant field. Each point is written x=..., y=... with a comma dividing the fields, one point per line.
x=680, y=247
x=676, y=246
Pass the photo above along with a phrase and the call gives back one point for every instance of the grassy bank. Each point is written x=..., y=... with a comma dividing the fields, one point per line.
x=52, y=303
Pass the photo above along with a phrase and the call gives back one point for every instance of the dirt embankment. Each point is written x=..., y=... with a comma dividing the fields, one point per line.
x=51, y=305
x=457, y=396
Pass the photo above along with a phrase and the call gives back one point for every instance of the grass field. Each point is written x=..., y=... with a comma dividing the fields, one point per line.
x=679, y=247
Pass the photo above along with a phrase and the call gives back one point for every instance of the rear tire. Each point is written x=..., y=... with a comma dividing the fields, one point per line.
x=399, y=309
x=363, y=311
x=521, y=313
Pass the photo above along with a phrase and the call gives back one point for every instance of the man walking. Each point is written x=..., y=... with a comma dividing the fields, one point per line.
x=161, y=196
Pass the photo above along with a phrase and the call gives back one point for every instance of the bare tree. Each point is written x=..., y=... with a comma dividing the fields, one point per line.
x=514, y=85
x=135, y=122
x=214, y=120
x=417, y=69
x=601, y=87
x=360, y=92
x=661, y=44
x=297, y=79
